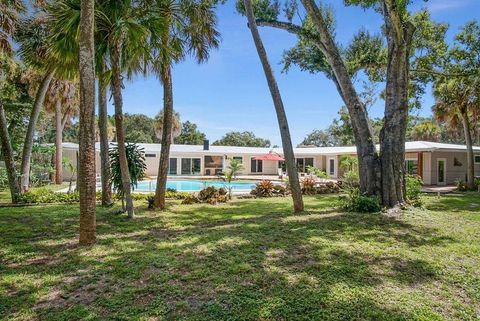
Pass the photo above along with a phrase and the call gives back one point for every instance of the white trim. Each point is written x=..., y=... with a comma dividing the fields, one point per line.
x=335, y=170
x=444, y=171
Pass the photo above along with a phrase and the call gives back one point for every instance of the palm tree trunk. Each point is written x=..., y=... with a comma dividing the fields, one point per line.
x=470, y=158
x=86, y=168
x=28, y=144
x=7, y=152
x=368, y=162
x=104, y=145
x=280, y=110
x=159, y=201
x=58, y=143
x=116, y=87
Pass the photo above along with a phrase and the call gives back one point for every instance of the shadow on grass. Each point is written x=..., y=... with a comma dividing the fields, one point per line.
x=245, y=260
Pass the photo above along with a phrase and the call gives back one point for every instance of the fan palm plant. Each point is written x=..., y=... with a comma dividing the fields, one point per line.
x=62, y=101
x=185, y=28
x=456, y=103
x=120, y=22
x=176, y=125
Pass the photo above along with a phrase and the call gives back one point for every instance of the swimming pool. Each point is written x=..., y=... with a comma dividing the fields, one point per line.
x=193, y=185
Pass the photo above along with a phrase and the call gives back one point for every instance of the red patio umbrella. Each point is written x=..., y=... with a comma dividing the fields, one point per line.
x=270, y=157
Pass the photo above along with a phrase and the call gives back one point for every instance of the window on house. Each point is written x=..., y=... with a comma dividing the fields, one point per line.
x=256, y=166
x=172, y=166
x=238, y=159
x=303, y=164
x=151, y=155
x=411, y=166
x=477, y=159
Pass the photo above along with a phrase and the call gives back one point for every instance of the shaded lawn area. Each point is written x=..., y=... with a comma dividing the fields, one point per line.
x=246, y=260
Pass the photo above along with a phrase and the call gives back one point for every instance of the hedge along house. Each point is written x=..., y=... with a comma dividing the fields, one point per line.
x=436, y=163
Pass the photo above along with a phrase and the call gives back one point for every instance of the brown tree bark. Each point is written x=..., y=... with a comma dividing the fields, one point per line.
x=28, y=144
x=280, y=111
x=86, y=167
x=160, y=190
x=58, y=143
x=368, y=162
x=104, y=144
x=7, y=152
x=470, y=157
x=392, y=135
x=116, y=87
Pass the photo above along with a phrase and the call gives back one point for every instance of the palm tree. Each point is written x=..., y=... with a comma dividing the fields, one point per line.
x=280, y=110
x=176, y=125
x=86, y=169
x=186, y=27
x=427, y=130
x=62, y=101
x=456, y=103
x=10, y=11
x=33, y=39
x=120, y=23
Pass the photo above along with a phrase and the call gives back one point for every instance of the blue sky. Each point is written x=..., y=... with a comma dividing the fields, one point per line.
x=230, y=92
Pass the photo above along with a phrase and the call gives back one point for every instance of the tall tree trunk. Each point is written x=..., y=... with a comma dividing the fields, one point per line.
x=116, y=86
x=58, y=143
x=470, y=158
x=368, y=162
x=86, y=169
x=392, y=135
x=280, y=110
x=28, y=144
x=7, y=152
x=160, y=190
x=104, y=144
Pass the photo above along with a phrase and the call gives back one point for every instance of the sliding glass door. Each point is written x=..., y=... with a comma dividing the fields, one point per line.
x=191, y=166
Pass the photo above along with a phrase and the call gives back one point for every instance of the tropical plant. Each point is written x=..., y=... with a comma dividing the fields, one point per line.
x=136, y=166
x=315, y=171
x=176, y=125
x=354, y=201
x=279, y=109
x=234, y=167
x=62, y=101
x=187, y=28
x=457, y=99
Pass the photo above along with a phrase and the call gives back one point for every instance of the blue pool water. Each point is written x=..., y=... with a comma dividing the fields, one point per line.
x=193, y=185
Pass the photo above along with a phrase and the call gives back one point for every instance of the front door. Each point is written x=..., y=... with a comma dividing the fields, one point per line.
x=441, y=171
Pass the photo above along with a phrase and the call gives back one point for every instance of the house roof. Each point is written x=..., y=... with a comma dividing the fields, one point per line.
x=416, y=146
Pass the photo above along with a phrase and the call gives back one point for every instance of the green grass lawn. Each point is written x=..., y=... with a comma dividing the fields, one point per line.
x=246, y=260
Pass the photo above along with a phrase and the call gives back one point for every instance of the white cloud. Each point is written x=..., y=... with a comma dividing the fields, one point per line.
x=442, y=5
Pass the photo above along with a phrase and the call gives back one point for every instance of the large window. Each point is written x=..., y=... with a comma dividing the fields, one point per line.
x=411, y=166
x=190, y=166
x=303, y=163
x=256, y=166
x=172, y=166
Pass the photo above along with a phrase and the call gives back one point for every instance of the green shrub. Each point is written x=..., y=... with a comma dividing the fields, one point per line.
x=461, y=185
x=44, y=195
x=350, y=179
x=414, y=188
x=355, y=202
x=3, y=179
x=312, y=170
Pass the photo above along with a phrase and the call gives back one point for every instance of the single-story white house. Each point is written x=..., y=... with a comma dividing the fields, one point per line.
x=436, y=163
